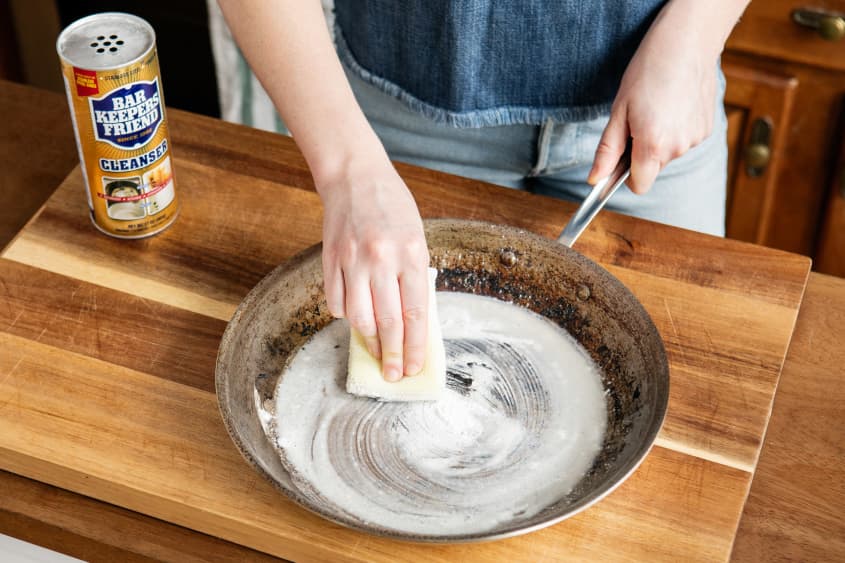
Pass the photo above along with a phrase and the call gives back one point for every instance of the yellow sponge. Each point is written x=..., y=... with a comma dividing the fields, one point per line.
x=364, y=374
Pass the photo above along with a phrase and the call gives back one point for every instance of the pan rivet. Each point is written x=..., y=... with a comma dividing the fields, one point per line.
x=583, y=292
x=507, y=258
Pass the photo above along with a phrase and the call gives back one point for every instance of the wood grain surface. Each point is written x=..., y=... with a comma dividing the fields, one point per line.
x=794, y=511
x=107, y=347
x=97, y=532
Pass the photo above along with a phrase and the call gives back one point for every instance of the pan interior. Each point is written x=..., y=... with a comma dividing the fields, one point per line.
x=288, y=307
x=521, y=423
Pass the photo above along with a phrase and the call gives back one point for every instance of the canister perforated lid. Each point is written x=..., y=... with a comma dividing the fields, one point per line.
x=105, y=41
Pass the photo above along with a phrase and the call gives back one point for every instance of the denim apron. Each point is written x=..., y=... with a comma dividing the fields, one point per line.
x=475, y=63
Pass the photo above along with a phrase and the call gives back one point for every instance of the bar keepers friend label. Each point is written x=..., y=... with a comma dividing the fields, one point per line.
x=127, y=118
x=111, y=73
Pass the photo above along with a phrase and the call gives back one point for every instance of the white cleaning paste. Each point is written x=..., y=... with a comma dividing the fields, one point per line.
x=522, y=422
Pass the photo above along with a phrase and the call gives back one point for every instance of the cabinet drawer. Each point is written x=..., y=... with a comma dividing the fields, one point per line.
x=755, y=97
x=768, y=28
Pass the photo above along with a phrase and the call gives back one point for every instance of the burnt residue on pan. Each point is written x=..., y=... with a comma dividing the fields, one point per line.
x=302, y=323
x=286, y=308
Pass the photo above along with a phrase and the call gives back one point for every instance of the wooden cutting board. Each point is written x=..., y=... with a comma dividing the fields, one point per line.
x=107, y=351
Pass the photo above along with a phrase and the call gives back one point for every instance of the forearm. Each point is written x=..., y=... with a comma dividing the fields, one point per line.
x=707, y=24
x=289, y=49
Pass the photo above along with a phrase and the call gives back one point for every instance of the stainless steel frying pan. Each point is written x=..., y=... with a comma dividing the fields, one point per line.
x=288, y=306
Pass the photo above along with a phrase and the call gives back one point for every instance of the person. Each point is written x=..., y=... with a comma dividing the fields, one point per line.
x=529, y=94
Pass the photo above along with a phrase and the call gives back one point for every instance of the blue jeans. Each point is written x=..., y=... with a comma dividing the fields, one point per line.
x=554, y=159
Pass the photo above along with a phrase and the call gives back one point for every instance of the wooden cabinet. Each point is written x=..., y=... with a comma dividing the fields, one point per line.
x=758, y=104
x=786, y=76
x=830, y=256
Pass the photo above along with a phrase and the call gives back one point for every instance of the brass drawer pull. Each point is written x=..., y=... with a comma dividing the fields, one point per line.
x=829, y=25
x=758, y=153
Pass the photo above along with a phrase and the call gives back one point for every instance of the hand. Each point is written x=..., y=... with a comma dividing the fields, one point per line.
x=665, y=103
x=374, y=264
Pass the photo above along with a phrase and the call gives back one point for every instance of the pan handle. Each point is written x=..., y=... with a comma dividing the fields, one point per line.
x=596, y=199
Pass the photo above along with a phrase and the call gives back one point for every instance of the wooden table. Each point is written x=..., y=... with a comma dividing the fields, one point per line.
x=106, y=362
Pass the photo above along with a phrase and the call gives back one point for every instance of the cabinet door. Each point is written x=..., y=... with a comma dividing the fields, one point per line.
x=758, y=105
x=830, y=257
